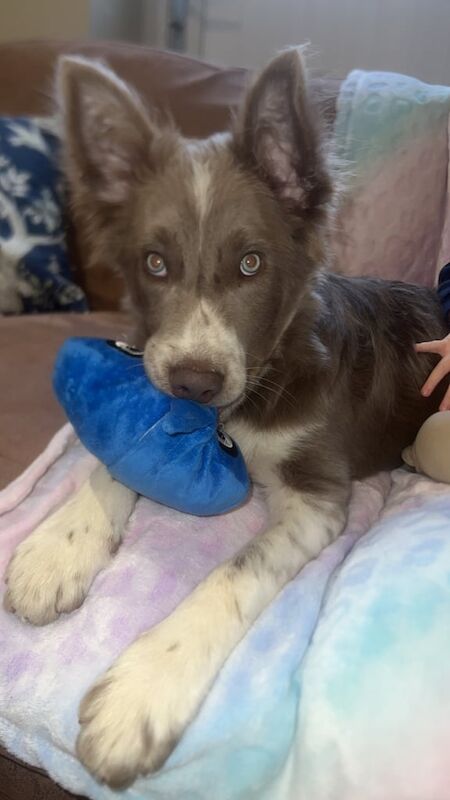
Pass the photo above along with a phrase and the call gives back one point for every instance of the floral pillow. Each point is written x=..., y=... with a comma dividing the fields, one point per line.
x=35, y=273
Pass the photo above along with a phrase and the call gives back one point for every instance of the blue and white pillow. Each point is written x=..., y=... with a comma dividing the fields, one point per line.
x=35, y=273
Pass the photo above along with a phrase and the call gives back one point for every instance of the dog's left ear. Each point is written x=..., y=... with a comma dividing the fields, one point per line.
x=277, y=134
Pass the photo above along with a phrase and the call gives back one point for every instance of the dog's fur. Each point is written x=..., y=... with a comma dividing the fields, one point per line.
x=321, y=383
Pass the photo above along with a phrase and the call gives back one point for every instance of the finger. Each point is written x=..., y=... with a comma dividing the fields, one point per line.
x=445, y=405
x=429, y=347
x=436, y=376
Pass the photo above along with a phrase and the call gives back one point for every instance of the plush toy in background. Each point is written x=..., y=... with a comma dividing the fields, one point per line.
x=167, y=449
x=430, y=453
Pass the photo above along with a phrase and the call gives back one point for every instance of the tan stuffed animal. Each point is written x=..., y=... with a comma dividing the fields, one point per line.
x=430, y=453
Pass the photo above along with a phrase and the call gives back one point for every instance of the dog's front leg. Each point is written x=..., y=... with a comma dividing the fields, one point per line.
x=51, y=571
x=134, y=715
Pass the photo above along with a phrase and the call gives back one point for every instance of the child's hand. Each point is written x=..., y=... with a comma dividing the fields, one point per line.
x=442, y=348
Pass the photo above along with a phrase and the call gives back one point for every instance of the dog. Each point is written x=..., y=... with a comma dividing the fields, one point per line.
x=224, y=246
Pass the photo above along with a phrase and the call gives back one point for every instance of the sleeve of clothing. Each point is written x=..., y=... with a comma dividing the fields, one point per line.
x=443, y=290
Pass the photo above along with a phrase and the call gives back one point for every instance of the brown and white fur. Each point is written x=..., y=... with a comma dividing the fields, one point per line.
x=315, y=374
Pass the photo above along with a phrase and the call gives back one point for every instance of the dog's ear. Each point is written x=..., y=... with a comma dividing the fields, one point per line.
x=277, y=134
x=107, y=133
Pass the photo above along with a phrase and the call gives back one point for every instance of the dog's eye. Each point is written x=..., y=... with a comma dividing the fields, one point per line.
x=250, y=264
x=155, y=265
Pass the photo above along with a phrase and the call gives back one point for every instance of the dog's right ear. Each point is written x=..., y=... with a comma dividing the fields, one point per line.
x=107, y=133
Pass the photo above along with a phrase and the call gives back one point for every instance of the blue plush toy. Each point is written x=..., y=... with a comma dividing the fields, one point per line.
x=167, y=449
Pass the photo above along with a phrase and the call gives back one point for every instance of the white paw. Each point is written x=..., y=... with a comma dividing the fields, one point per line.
x=134, y=715
x=52, y=570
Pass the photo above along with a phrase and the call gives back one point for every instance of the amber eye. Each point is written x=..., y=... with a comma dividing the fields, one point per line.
x=156, y=265
x=250, y=264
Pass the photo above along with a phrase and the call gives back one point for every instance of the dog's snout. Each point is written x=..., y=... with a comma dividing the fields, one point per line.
x=193, y=383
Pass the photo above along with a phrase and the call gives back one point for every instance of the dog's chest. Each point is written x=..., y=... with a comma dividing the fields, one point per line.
x=264, y=450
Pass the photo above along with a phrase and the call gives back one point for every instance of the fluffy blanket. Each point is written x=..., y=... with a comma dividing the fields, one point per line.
x=391, y=134
x=339, y=691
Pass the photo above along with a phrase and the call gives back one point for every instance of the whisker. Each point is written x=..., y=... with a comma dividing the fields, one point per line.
x=268, y=383
x=283, y=392
x=135, y=366
x=254, y=390
x=144, y=435
x=263, y=378
x=272, y=368
x=251, y=400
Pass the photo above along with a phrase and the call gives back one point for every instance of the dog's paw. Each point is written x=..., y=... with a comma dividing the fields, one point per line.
x=52, y=570
x=134, y=715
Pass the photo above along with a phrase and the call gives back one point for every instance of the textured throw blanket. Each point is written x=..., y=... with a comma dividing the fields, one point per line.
x=392, y=135
x=341, y=689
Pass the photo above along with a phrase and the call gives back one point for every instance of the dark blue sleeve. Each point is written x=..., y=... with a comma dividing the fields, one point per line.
x=443, y=290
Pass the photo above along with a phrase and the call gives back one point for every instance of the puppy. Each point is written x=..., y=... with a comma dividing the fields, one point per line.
x=224, y=245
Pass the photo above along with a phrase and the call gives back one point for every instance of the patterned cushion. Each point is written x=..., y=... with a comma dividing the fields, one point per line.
x=35, y=273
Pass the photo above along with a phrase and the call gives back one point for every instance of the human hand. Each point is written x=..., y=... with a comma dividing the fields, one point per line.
x=442, y=348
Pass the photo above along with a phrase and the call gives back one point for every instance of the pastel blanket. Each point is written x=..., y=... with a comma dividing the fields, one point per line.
x=392, y=137
x=340, y=691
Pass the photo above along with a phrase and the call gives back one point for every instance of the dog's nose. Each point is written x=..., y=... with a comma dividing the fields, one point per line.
x=192, y=384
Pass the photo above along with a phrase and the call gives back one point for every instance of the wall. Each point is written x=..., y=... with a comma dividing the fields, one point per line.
x=409, y=36
x=154, y=22
x=32, y=19
x=117, y=19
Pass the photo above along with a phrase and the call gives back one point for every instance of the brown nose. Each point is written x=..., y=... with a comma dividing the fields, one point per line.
x=192, y=384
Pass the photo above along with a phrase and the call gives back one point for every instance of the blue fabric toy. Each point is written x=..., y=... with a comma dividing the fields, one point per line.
x=167, y=449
